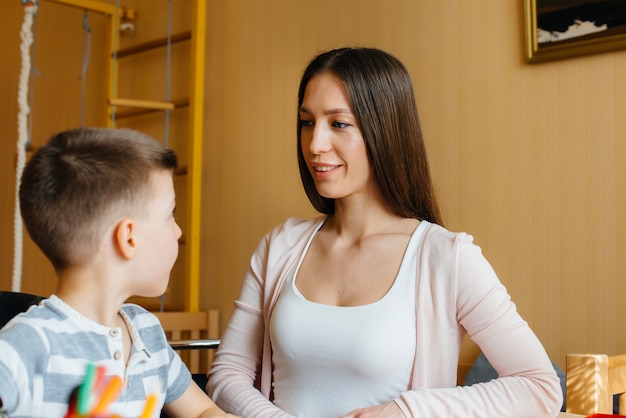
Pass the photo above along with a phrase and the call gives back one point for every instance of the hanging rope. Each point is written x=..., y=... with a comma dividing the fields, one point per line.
x=26, y=35
x=34, y=72
x=86, y=56
x=115, y=47
x=167, y=71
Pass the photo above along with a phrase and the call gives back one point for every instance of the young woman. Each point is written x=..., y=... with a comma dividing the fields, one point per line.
x=361, y=312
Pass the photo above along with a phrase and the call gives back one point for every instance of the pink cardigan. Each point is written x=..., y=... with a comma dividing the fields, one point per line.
x=457, y=292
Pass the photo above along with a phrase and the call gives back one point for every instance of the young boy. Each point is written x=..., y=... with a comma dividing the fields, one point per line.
x=100, y=205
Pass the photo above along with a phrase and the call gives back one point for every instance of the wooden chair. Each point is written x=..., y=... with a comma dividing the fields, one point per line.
x=191, y=333
x=592, y=381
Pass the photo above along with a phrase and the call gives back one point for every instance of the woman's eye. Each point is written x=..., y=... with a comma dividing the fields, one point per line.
x=340, y=125
x=305, y=123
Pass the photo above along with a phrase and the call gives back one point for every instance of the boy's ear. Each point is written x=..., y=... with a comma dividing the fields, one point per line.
x=125, y=239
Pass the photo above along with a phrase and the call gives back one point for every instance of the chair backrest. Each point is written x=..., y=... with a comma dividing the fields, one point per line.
x=191, y=326
x=592, y=382
x=13, y=303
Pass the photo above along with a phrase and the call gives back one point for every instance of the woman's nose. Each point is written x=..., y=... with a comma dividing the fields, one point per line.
x=320, y=140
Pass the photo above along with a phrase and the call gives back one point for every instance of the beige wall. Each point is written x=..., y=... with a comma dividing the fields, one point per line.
x=525, y=157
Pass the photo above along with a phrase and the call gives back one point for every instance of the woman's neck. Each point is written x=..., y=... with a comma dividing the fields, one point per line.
x=362, y=220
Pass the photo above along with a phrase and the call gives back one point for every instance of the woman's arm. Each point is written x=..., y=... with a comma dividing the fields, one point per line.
x=527, y=385
x=237, y=362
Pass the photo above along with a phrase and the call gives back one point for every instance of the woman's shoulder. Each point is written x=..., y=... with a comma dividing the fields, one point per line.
x=295, y=223
x=438, y=234
x=285, y=240
x=446, y=251
x=292, y=229
x=439, y=241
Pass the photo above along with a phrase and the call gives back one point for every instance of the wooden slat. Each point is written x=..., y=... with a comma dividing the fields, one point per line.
x=192, y=326
x=145, y=104
x=128, y=113
x=181, y=171
x=97, y=6
x=214, y=332
x=194, y=356
x=156, y=43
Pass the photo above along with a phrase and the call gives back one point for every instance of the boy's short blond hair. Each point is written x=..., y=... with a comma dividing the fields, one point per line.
x=81, y=180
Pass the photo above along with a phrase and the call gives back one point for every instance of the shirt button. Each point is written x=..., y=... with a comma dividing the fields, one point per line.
x=117, y=355
x=113, y=332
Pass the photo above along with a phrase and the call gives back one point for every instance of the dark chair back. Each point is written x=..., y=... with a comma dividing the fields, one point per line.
x=13, y=303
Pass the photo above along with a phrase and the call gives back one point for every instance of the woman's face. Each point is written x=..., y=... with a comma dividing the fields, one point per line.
x=331, y=141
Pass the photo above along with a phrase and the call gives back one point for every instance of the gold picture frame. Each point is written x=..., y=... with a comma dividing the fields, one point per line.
x=573, y=28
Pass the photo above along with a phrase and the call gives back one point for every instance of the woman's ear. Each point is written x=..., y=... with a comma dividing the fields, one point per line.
x=125, y=239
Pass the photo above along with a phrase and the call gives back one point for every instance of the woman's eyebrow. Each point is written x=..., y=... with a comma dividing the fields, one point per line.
x=333, y=111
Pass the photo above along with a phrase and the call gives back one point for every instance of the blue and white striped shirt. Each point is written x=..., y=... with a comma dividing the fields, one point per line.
x=44, y=355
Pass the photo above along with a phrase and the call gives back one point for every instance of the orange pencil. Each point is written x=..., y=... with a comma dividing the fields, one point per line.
x=148, y=410
x=110, y=393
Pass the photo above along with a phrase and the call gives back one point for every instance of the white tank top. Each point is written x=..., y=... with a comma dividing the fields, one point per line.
x=329, y=360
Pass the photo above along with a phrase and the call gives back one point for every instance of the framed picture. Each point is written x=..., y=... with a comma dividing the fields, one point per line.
x=558, y=29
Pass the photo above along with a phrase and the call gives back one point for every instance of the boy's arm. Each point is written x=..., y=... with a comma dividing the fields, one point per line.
x=194, y=403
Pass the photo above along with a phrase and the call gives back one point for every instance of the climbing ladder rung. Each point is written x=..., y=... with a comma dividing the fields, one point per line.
x=98, y=6
x=127, y=113
x=156, y=43
x=143, y=104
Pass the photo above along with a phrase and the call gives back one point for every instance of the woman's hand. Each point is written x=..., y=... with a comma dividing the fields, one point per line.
x=386, y=410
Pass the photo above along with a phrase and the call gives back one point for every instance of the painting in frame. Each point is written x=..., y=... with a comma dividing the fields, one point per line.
x=558, y=29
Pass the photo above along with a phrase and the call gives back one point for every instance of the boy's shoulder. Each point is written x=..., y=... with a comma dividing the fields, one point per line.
x=27, y=335
x=139, y=316
x=34, y=317
x=132, y=310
